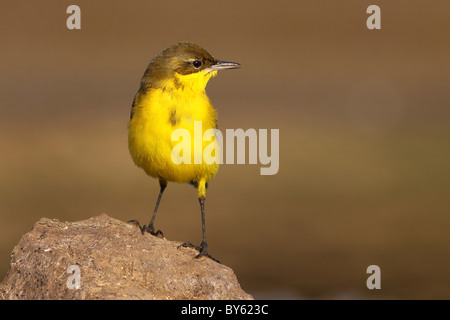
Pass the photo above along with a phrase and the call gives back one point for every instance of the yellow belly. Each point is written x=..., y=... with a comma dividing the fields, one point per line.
x=156, y=114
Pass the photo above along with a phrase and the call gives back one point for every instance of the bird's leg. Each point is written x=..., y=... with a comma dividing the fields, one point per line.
x=150, y=228
x=203, y=247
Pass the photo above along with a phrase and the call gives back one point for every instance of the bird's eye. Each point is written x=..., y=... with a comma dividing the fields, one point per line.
x=197, y=64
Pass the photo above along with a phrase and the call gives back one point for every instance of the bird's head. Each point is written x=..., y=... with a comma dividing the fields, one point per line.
x=183, y=65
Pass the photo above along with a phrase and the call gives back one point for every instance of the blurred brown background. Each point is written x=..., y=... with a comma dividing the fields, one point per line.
x=364, y=135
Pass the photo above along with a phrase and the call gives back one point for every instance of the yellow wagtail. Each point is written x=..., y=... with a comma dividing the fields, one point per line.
x=172, y=96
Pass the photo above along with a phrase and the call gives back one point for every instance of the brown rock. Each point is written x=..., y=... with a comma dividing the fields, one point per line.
x=114, y=262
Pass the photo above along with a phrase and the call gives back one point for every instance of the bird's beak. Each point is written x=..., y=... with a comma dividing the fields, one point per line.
x=222, y=65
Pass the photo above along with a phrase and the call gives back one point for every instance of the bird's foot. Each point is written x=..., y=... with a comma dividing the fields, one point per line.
x=202, y=248
x=150, y=229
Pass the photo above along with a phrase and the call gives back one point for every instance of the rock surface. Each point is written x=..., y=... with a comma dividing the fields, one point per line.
x=110, y=259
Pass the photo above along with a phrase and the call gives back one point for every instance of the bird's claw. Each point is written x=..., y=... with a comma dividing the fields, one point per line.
x=150, y=229
x=202, y=248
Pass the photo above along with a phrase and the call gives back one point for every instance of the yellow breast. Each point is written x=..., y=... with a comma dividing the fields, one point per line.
x=157, y=113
